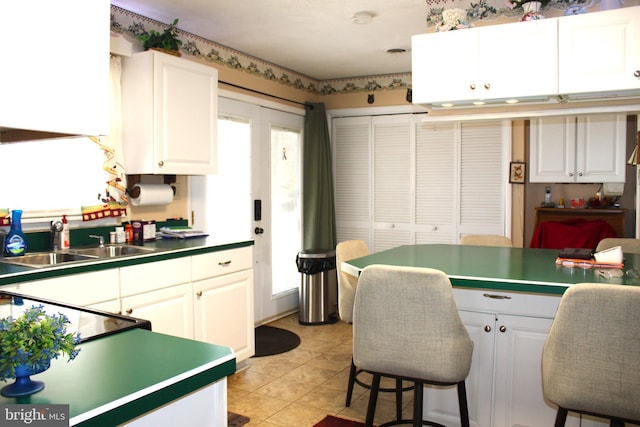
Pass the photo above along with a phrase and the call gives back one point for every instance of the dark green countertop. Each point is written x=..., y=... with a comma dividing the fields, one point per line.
x=165, y=249
x=509, y=269
x=122, y=376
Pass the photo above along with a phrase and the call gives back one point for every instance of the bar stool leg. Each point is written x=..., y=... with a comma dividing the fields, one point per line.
x=352, y=381
x=373, y=399
x=462, y=403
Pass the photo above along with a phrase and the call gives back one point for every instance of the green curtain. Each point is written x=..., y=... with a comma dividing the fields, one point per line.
x=318, y=208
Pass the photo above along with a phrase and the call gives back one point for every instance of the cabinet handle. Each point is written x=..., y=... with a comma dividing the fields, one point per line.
x=129, y=310
x=199, y=294
x=636, y=74
x=472, y=86
x=161, y=163
x=579, y=173
x=502, y=328
x=487, y=328
x=223, y=263
x=487, y=86
x=494, y=296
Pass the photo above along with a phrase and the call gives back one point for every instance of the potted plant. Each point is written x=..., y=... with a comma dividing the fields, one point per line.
x=27, y=345
x=167, y=41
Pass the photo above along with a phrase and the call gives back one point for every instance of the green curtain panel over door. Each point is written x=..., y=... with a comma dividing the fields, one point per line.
x=318, y=208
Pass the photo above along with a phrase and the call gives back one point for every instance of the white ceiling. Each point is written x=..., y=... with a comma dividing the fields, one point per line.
x=312, y=37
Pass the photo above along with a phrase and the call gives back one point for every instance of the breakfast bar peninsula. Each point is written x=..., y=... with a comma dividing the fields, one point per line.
x=507, y=298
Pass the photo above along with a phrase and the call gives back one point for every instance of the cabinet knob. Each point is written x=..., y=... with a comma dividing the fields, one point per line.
x=636, y=74
x=487, y=86
x=472, y=86
x=487, y=328
x=129, y=310
x=161, y=163
x=570, y=173
x=579, y=173
x=435, y=228
x=199, y=294
x=502, y=328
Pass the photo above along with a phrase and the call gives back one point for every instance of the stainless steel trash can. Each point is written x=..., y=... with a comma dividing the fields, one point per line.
x=318, y=287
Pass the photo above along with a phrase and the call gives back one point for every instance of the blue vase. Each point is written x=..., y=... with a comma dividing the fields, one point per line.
x=24, y=385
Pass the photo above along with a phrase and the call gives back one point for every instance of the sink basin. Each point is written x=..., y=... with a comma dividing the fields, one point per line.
x=46, y=259
x=111, y=251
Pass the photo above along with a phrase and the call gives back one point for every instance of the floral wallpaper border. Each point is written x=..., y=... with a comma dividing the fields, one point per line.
x=132, y=24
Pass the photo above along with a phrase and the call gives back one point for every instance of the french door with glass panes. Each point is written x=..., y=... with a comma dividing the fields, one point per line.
x=259, y=169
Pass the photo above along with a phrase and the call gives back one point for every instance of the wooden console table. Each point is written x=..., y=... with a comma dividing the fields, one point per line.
x=614, y=217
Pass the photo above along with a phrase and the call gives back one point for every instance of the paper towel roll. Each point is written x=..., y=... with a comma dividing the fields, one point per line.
x=152, y=195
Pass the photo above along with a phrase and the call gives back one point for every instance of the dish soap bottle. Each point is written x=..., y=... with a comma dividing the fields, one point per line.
x=16, y=242
x=65, y=243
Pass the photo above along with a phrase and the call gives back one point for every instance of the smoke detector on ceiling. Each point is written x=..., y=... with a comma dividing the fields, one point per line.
x=362, y=18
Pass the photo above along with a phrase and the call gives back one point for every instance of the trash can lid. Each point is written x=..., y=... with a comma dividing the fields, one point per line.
x=317, y=253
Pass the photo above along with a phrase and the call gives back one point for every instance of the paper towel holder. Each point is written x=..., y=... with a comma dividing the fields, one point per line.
x=134, y=191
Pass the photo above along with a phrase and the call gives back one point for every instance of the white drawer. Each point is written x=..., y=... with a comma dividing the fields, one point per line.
x=516, y=303
x=223, y=262
x=78, y=289
x=136, y=279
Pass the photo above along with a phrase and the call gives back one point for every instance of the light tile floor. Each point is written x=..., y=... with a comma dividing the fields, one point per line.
x=299, y=388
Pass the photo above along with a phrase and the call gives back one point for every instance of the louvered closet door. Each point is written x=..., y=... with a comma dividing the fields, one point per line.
x=436, y=182
x=351, y=147
x=483, y=174
x=392, y=181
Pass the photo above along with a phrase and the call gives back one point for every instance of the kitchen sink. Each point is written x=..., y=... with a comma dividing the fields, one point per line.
x=47, y=259
x=110, y=251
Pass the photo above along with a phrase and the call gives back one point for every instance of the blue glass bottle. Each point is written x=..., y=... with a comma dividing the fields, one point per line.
x=16, y=242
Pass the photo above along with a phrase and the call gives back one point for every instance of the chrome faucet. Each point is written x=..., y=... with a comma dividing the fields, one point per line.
x=100, y=240
x=55, y=229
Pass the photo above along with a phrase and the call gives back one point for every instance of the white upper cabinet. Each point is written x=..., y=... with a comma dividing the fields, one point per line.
x=55, y=66
x=578, y=149
x=600, y=52
x=169, y=108
x=468, y=65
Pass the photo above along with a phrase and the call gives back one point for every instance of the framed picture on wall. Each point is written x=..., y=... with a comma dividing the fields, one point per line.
x=516, y=172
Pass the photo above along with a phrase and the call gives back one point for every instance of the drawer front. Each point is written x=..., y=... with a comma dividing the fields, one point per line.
x=222, y=262
x=78, y=289
x=136, y=279
x=515, y=303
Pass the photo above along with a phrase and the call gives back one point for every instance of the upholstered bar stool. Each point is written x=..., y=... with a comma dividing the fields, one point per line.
x=406, y=326
x=346, y=251
x=591, y=358
x=629, y=245
x=486, y=240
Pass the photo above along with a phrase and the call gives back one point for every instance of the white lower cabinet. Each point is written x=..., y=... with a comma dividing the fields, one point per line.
x=223, y=312
x=170, y=310
x=223, y=299
x=504, y=386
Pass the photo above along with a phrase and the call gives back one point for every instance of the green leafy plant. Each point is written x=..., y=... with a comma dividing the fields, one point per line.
x=33, y=339
x=167, y=40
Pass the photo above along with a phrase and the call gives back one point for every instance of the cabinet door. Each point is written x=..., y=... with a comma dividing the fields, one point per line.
x=599, y=52
x=392, y=181
x=444, y=66
x=601, y=148
x=552, y=149
x=54, y=89
x=441, y=404
x=169, y=115
x=224, y=312
x=518, y=381
x=531, y=73
x=169, y=310
x=436, y=182
x=186, y=97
